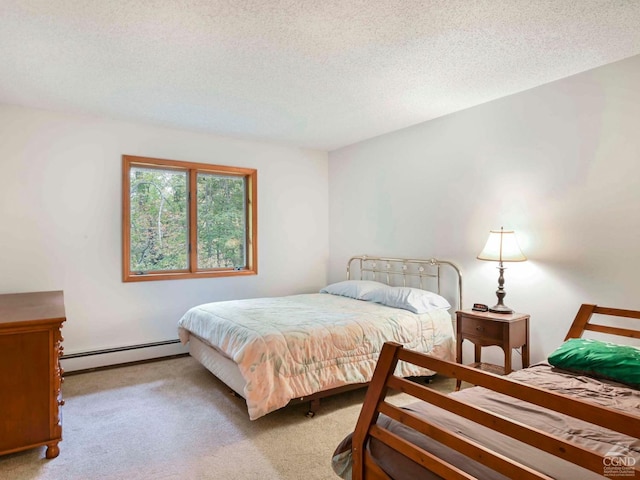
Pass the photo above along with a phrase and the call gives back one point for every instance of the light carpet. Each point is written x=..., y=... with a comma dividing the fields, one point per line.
x=172, y=419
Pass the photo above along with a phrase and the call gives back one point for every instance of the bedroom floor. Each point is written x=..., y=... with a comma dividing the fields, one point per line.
x=173, y=419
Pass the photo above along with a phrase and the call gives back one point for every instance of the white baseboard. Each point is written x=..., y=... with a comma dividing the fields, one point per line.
x=96, y=360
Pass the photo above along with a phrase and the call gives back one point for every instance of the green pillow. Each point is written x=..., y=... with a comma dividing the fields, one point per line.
x=620, y=363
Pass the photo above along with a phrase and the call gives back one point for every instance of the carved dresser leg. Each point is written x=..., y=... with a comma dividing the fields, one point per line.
x=53, y=450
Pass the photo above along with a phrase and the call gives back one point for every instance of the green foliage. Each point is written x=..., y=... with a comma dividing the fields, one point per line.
x=159, y=225
x=221, y=221
x=159, y=220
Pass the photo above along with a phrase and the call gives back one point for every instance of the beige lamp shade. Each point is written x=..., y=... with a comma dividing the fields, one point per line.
x=502, y=246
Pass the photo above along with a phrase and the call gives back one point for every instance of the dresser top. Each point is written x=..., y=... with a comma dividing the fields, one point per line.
x=33, y=306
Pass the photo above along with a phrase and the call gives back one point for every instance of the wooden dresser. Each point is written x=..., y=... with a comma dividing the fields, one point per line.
x=30, y=372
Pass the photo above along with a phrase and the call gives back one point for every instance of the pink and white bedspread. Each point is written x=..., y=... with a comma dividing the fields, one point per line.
x=294, y=346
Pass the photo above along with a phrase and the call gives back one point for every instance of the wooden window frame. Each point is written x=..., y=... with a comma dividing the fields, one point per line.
x=192, y=169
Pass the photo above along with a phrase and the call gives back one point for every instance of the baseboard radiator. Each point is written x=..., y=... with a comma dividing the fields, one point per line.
x=106, y=357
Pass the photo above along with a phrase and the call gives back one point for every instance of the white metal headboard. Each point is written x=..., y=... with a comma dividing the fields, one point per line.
x=406, y=272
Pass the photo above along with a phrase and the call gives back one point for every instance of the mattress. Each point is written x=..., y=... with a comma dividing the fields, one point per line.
x=295, y=346
x=221, y=366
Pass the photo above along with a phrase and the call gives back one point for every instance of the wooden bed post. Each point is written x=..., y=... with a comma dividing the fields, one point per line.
x=369, y=414
x=582, y=318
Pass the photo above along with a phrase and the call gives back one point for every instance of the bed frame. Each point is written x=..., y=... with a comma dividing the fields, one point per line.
x=417, y=273
x=365, y=467
x=406, y=272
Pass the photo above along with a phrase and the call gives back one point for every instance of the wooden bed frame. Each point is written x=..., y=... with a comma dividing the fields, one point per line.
x=365, y=467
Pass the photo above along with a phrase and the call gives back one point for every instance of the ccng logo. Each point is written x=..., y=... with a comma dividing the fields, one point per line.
x=618, y=463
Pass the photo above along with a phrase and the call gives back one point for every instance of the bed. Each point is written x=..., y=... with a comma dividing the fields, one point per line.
x=574, y=417
x=272, y=351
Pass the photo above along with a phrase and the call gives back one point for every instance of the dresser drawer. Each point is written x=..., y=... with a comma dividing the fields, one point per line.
x=481, y=328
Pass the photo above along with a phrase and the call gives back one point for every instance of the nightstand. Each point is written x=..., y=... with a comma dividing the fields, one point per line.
x=483, y=329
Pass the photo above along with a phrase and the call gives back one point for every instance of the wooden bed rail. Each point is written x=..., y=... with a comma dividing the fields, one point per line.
x=587, y=310
x=364, y=467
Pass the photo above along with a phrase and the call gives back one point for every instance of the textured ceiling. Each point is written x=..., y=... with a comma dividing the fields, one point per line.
x=312, y=73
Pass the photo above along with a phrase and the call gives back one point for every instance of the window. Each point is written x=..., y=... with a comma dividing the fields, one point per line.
x=187, y=220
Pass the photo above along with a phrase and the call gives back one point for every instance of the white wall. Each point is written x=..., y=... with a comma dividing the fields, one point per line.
x=559, y=164
x=60, y=224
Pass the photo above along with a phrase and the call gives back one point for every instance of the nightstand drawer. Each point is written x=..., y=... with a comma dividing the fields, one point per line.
x=481, y=328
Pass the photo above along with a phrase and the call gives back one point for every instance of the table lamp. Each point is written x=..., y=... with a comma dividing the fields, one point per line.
x=502, y=246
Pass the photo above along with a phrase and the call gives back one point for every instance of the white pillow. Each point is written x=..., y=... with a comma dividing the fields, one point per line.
x=354, y=288
x=413, y=299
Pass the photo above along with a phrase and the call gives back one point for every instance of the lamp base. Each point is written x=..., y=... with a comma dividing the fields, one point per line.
x=500, y=309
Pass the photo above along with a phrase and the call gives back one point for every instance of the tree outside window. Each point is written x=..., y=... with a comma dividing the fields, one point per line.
x=186, y=220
